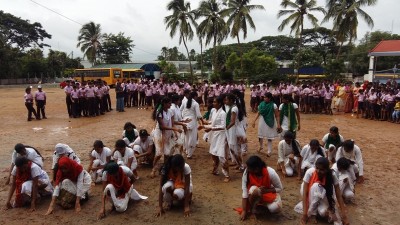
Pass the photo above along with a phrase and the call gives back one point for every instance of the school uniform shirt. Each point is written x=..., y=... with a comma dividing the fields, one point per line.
x=123, y=160
x=144, y=145
x=82, y=92
x=68, y=89
x=149, y=92
x=40, y=95
x=273, y=177
x=284, y=150
x=360, y=97
x=75, y=94
x=186, y=171
x=90, y=92
x=31, y=154
x=102, y=156
x=354, y=156
x=328, y=95
x=125, y=169
x=28, y=98
x=309, y=158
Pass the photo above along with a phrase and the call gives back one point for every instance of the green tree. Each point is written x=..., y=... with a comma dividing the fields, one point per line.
x=281, y=47
x=116, y=48
x=344, y=14
x=213, y=26
x=238, y=12
x=334, y=69
x=89, y=40
x=181, y=21
x=20, y=33
x=34, y=63
x=321, y=40
x=308, y=58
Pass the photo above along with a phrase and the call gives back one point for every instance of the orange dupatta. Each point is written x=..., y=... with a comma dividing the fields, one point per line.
x=314, y=179
x=263, y=181
x=177, y=179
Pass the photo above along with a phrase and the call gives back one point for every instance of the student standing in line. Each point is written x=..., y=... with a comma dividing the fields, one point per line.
x=29, y=104
x=40, y=99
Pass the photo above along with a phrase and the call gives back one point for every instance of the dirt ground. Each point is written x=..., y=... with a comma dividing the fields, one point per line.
x=376, y=200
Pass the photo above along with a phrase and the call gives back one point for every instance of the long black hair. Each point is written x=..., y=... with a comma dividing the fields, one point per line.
x=159, y=108
x=320, y=151
x=240, y=101
x=295, y=145
x=192, y=95
x=324, y=163
x=233, y=99
x=254, y=162
x=172, y=161
x=19, y=147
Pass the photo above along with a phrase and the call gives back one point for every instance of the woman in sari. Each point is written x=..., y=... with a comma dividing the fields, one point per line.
x=349, y=102
x=71, y=185
x=268, y=125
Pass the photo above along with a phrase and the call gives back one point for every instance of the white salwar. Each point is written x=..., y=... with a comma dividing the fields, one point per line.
x=121, y=204
x=284, y=150
x=78, y=188
x=346, y=188
x=180, y=137
x=194, y=114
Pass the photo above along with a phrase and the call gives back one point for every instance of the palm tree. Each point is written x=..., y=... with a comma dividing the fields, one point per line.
x=164, y=52
x=213, y=27
x=181, y=21
x=344, y=14
x=301, y=9
x=238, y=13
x=89, y=40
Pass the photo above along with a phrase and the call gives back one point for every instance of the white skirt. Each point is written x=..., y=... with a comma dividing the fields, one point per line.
x=264, y=131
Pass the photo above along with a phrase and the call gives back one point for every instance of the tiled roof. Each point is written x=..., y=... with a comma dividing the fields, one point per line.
x=386, y=48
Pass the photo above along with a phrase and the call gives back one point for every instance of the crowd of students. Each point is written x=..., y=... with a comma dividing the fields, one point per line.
x=329, y=170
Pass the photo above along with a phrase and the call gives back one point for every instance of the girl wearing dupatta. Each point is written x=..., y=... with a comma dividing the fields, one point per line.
x=261, y=187
x=268, y=125
x=29, y=182
x=289, y=115
x=319, y=188
x=331, y=142
x=117, y=186
x=72, y=184
x=175, y=184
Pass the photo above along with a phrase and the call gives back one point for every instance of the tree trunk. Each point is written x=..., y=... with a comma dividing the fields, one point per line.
x=201, y=57
x=190, y=62
x=299, y=54
x=215, y=55
x=340, y=49
x=241, y=56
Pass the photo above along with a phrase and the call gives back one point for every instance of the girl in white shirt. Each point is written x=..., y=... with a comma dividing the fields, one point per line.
x=125, y=156
x=309, y=155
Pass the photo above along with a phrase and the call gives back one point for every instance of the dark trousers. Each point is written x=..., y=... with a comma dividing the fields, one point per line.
x=69, y=105
x=142, y=99
x=91, y=106
x=83, y=107
x=108, y=101
x=29, y=107
x=40, y=105
x=75, y=107
x=134, y=98
x=126, y=99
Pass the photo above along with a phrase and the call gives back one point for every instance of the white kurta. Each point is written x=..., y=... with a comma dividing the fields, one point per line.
x=309, y=158
x=231, y=134
x=194, y=114
x=355, y=156
x=264, y=131
x=217, y=139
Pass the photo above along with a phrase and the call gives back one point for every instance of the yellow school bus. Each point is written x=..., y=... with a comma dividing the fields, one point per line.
x=109, y=75
x=133, y=74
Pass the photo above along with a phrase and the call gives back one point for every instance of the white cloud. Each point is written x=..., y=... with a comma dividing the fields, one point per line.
x=143, y=20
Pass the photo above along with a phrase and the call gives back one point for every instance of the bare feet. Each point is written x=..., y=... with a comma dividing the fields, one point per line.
x=227, y=179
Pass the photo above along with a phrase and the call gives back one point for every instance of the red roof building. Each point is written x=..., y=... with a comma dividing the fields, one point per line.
x=386, y=48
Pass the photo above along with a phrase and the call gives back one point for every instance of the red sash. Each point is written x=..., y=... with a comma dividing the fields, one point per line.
x=20, y=178
x=314, y=179
x=121, y=185
x=263, y=181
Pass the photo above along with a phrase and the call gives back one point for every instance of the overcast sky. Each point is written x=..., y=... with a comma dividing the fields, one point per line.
x=143, y=21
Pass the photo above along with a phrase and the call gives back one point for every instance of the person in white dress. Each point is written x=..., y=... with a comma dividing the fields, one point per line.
x=175, y=184
x=261, y=185
x=191, y=112
x=268, y=124
x=179, y=140
x=217, y=138
x=29, y=152
x=99, y=157
x=233, y=116
x=129, y=134
x=331, y=142
x=143, y=147
x=347, y=178
x=289, y=115
x=118, y=188
x=125, y=156
x=29, y=182
x=352, y=152
x=163, y=132
x=309, y=155
x=319, y=188
x=288, y=155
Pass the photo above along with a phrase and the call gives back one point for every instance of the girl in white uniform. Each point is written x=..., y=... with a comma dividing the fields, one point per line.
x=125, y=156
x=191, y=111
x=309, y=155
x=268, y=125
x=163, y=132
x=352, y=152
x=99, y=157
x=217, y=138
x=232, y=122
x=347, y=178
x=289, y=154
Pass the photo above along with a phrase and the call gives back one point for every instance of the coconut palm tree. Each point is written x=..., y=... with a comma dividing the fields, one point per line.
x=238, y=12
x=213, y=26
x=89, y=40
x=181, y=21
x=344, y=14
